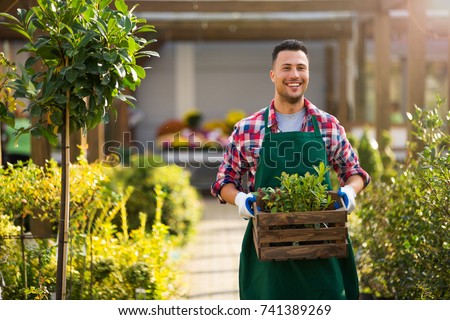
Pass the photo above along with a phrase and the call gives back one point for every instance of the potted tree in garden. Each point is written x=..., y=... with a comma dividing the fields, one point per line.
x=83, y=55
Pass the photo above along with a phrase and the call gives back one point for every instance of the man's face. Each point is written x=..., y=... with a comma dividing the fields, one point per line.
x=290, y=74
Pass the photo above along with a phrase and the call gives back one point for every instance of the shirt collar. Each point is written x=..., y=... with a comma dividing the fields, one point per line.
x=272, y=121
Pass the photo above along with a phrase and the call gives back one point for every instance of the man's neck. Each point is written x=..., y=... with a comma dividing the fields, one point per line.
x=284, y=107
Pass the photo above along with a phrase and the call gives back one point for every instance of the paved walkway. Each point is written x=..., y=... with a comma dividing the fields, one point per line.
x=212, y=270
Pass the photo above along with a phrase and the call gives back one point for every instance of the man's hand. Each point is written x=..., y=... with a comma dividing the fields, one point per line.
x=348, y=194
x=245, y=201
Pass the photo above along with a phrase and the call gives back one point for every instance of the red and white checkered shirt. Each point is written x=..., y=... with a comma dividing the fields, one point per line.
x=242, y=151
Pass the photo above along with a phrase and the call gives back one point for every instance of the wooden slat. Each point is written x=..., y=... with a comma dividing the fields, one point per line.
x=270, y=244
x=301, y=235
x=311, y=217
x=250, y=30
x=306, y=252
x=252, y=5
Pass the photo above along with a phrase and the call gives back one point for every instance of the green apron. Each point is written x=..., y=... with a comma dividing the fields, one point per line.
x=293, y=152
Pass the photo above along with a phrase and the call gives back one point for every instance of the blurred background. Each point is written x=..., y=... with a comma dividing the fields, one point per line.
x=371, y=61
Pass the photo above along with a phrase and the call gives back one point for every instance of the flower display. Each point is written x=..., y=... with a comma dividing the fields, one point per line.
x=190, y=133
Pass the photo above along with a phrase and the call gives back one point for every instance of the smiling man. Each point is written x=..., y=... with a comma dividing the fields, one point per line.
x=257, y=148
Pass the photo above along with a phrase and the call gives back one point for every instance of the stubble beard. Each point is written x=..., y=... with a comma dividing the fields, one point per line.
x=292, y=99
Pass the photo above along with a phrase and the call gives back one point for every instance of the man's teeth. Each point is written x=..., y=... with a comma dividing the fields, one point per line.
x=294, y=84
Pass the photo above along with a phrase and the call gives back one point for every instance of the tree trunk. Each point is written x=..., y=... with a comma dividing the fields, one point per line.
x=63, y=226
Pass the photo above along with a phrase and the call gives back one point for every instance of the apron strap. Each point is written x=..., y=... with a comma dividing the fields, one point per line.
x=266, y=120
x=317, y=132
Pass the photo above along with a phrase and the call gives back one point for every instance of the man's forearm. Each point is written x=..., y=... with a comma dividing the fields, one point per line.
x=229, y=192
x=356, y=182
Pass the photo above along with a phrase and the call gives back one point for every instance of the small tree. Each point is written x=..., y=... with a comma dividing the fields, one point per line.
x=82, y=56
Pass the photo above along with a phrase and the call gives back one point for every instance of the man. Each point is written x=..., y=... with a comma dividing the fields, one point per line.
x=311, y=136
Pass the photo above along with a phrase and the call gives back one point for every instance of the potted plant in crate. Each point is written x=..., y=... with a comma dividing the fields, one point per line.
x=82, y=56
x=301, y=219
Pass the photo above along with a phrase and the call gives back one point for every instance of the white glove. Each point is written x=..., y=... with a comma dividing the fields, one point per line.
x=245, y=201
x=348, y=194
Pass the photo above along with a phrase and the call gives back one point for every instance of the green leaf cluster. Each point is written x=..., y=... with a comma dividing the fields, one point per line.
x=181, y=209
x=107, y=259
x=7, y=101
x=297, y=193
x=369, y=155
x=401, y=226
x=83, y=55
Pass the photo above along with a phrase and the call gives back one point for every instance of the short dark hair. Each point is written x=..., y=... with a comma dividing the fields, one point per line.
x=288, y=45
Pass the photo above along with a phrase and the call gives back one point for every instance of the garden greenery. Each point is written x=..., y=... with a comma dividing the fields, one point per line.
x=296, y=193
x=82, y=56
x=107, y=259
x=181, y=208
x=401, y=227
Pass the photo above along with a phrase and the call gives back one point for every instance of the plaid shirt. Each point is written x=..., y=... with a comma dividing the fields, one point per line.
x=242, y=152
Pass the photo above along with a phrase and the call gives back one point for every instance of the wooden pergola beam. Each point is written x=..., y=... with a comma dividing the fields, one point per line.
x=245, y=30
x=252, y=5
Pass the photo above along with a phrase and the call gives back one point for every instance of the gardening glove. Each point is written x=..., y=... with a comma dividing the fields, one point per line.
x=245, y=201
x=348, y=194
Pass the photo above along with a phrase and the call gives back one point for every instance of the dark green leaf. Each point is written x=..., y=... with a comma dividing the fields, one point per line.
x=60, y=99
x=111, y=57
x=51, y=137
x=36, y=132
x=71, y=75
x=57, y=118
x=105, y=117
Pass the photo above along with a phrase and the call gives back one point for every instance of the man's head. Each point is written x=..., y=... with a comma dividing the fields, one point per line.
x=288, y=45
x=290, y=73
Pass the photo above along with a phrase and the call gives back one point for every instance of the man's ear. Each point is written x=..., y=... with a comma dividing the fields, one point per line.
x=272, y=76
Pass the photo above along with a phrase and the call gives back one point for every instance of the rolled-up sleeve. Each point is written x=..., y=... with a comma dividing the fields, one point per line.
x=344, y=159
x=231, y=170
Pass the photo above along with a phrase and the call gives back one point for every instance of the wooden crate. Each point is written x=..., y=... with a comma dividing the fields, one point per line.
x=275, y=233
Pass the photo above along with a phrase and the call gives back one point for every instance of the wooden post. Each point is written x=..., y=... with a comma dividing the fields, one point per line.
x=63, y=226
x=329, y=79
x=343, y=113
x=416, y=63
x=95, y=142
x=382, y=71
x=360, y=85
x=40, y=150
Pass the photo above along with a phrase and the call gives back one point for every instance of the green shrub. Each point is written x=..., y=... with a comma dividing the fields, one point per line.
x=387, y=157
x=369, y=156
x=105, y=256
x=401, y=227
x=181, y=209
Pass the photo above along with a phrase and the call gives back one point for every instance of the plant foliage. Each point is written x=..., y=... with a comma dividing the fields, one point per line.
x=297, y=193
x=107, y=259
x=83, y=55
x=403, y=238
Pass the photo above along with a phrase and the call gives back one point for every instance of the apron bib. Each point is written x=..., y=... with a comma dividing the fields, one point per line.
x=293, y=152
